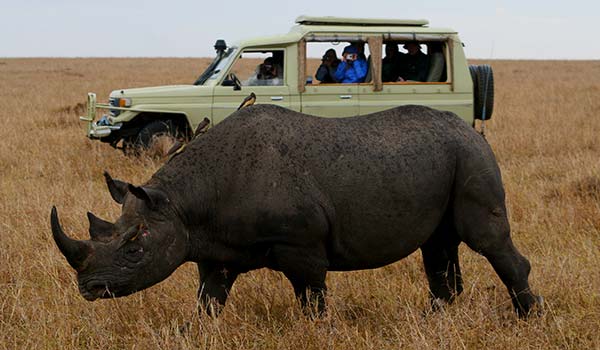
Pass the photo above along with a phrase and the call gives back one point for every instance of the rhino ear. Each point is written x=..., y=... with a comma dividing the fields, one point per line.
x=154, y=198
x=100, y=230
x=117, y=188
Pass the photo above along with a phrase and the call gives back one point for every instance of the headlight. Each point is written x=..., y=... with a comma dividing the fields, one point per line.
x=118, y=102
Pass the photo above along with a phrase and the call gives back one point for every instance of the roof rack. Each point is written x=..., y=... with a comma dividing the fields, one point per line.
x=333, y=21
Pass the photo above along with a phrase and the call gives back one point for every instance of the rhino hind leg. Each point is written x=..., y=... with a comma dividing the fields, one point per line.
x=216, y=281
x=440, y=257
x=513, y=269
x=483, y=225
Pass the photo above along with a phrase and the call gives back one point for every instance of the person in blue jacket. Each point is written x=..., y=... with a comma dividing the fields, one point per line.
x=352, y=69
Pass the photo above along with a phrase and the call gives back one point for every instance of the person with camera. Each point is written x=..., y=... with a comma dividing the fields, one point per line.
x=267, y=73
x=352, y=69
x=326, y=71
x=268, y=70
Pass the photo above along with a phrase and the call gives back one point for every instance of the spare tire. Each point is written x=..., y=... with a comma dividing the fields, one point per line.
x=483, y=91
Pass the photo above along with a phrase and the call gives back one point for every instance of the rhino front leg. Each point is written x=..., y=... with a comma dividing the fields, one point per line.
x=215, y=283
x=306, y=269
x=311, y=295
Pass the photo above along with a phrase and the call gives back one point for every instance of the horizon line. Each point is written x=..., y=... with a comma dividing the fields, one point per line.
x=316, y=57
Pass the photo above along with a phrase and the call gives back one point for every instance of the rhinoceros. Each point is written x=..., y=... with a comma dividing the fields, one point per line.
x=270, y=187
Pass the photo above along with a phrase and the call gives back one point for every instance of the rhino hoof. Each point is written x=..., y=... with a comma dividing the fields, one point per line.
x=535, y=309
x=538, y=308
x=437, y=305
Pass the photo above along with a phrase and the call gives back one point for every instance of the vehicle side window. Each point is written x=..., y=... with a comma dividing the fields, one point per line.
x=413, y=62
x=325, y=60
x=260, y=68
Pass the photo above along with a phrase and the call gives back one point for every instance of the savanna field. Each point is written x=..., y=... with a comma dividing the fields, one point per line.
x=546, y=135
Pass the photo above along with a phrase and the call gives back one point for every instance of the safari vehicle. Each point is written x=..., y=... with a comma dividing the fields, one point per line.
x=134, y=116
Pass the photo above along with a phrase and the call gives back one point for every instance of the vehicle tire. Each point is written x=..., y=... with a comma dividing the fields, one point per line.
x=149, y=133
x=483, y=91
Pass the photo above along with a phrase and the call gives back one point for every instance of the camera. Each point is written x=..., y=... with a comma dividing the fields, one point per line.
x=351, y=56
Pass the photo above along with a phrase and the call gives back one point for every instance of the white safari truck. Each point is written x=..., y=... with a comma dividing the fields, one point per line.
x=279, y=70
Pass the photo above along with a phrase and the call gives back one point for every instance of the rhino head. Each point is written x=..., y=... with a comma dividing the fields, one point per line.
x=143, y=247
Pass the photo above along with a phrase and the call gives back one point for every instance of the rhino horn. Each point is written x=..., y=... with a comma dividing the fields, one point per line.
x=100, y=230
x=117, y=188
x=154, y=198
x=75, y=251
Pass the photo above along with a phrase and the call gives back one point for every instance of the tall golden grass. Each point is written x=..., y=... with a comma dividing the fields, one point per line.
x=545, y=132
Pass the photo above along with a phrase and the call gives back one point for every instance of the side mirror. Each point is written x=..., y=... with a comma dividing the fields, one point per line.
x=232, y=80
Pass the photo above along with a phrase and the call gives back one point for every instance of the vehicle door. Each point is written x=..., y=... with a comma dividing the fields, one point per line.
x=256, y=70
x=330, y=100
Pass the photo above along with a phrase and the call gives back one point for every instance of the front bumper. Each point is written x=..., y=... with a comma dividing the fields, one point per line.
x=101, y=128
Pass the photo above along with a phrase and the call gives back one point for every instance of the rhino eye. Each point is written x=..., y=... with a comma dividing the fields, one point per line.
x=133, y=253
x=134, y=250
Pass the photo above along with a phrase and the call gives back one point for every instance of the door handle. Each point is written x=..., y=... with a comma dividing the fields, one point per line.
x=345, y=97
x=276, y=98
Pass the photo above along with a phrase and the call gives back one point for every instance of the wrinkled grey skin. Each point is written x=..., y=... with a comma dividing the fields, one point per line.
x=269, y=187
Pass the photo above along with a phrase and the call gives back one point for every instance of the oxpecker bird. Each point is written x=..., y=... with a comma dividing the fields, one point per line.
x=248, y=101
x=203, y=124
x=178, y=146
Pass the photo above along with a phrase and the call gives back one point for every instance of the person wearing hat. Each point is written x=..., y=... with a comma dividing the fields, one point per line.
x=353, y=68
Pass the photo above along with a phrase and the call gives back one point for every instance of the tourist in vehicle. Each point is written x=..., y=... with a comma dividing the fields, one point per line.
x=390, y=65
x=268, y=70
x=437, y=62
x=326, y=71
x=415, y=64
x=267, y=73
x=278, y=62
x=360, y=46
x=352, y=69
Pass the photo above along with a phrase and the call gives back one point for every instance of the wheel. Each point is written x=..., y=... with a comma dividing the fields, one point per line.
x=152, y=130
x=149, y=136
x=483, y=91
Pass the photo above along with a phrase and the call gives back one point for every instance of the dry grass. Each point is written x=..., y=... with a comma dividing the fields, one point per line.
x=545, y=134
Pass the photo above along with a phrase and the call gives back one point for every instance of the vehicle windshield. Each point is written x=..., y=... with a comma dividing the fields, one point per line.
x=213, y=70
